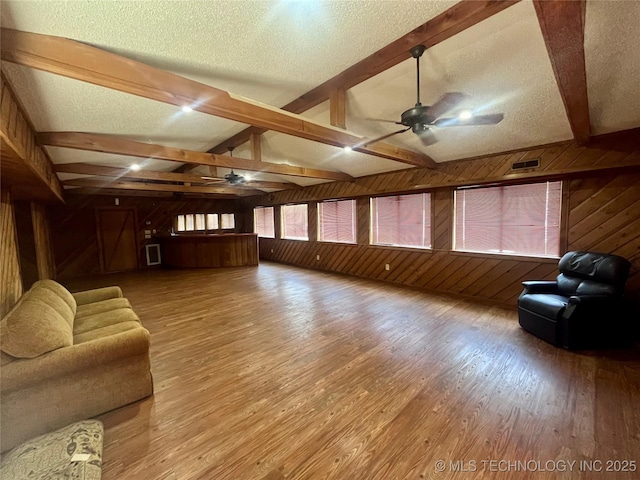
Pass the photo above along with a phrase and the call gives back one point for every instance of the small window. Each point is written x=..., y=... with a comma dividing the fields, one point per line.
x=337, y=221
x=512, y=220
x=227, y=221
x=190, y=225
x=181, y=223
x=295, y=222
x=212, y=221
x=401, y=220
x=264, y=222
x=199, y=221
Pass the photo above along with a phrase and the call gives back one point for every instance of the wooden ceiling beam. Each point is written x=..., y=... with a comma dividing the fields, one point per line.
x=255, y=143
x=115, y=172
x=109, y=144
x=337, y=107
x=156, y=187
x=562, y=25
x=461, y=16
x=86, y=63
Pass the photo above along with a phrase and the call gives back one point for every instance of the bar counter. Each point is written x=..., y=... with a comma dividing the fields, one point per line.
x=210, y=251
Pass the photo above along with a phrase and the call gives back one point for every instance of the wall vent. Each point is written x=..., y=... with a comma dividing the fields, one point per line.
x=535, y=163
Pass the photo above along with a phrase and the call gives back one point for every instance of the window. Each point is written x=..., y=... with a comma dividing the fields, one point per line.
x=515, y=219
x=294, y=222
x=199, y=221
x=263, y=222
x=227, y=221
x=212, y=221
x=401, y=220
x=337, y=221
x=194, y=222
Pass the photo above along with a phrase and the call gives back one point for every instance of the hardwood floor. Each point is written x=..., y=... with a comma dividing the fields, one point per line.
x=275, y=372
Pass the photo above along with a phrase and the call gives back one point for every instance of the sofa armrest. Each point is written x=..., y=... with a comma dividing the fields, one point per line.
x=97, y=295
x=540, y=287
x=24, y=372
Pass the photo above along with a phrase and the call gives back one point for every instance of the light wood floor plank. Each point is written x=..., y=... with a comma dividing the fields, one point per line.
x=275, y=373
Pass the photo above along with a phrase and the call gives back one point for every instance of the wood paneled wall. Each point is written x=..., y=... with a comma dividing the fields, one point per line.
x=73, y=227
x=10, y=281
x=602, y=214
x=25, y=164
x=42, y=241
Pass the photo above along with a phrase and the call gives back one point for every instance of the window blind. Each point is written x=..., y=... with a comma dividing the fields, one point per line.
x=264, y=222
x=212, y=221
x=294, y=222
x=337, y=221
x=227, y=221
x=401, y=220
x=514, y=219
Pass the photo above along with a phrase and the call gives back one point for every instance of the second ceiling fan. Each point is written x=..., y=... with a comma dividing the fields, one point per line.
x=421, y=118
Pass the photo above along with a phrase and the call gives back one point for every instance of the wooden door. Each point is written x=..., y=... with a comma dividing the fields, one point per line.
x=117, y=238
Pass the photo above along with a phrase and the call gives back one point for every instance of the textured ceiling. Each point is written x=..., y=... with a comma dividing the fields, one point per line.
x=274, y=51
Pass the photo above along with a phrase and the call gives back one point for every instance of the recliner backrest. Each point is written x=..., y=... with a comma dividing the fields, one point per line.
x=591, y=273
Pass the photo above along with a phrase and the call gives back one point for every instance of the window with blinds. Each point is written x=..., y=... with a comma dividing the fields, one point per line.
x=513, y=220
x=294, y=222
x=198, y=222
x=263, y=221
x=401, y=220
x=227, y=221
x=337, y=221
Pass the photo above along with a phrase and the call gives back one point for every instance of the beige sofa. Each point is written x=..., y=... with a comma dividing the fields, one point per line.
x=68, y=357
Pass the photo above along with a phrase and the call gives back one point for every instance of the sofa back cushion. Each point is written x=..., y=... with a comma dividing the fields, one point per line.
x=41, y=321
x=64, y=294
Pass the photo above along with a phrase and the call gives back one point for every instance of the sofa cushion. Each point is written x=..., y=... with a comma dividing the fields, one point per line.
x=53, y=300
x=105, y=331
x=62, y=292
x=104, y=319
x=101, y=307
x=33, y=327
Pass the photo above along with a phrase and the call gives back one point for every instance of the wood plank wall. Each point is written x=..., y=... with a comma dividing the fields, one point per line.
x=10, y=281
x=42, y=241
x=24, y=161
x=73, y=227
x=601, y=213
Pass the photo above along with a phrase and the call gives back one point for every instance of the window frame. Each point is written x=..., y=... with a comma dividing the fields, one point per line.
x=354, y=222
x=283, y=223
x=273, y=220
x=511, y=254
x=428, y=216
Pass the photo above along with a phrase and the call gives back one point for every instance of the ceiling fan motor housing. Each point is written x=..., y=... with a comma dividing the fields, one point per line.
x=416, y=115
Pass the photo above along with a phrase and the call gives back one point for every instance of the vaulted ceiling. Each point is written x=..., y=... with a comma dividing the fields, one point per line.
x=557, y=70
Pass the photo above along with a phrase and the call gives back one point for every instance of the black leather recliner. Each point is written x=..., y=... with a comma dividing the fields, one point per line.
x=585, y=308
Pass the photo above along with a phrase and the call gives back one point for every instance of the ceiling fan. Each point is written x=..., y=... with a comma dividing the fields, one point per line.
x=230, y=178
x=421, y=118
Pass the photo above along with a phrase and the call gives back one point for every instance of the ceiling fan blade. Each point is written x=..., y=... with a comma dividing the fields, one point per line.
x=446, y=103
x=384, y=120
x=491, y=119
x=378, y=139
x=211, y=180
x=427, y=137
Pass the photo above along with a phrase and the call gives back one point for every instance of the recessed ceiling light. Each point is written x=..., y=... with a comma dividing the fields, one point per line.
x=347, y=148
x=465, y=115
x=134, y=166
x=187, y=109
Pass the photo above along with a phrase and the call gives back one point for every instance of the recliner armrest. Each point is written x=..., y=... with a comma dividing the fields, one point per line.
x=540, y=287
